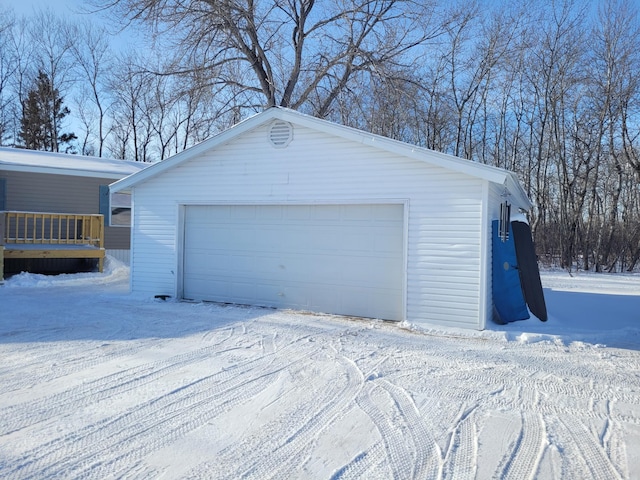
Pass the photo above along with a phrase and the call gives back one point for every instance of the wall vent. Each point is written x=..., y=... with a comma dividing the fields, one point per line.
x=280, y=134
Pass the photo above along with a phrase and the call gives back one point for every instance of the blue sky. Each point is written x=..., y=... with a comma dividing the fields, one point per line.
x=73, y=10
x=26, y=7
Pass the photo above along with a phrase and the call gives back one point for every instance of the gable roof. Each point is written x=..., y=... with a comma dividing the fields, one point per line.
x=493, y=174
x=34, y=161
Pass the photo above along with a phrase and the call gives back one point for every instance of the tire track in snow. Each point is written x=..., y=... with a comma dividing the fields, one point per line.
x=566, y=376
x=428, y=457
x=270, y=455
x=238, y=386
x=523, y=459
x=452, y=389
x=410, y=447
x=576, y=404
x=365, y=465
x=177, y=425
x=108, y=446
x=591, y=451
x=152, y=428
x=60, y=364
x=67, y=402
x=553, y=386
x=283, y=462
x=461, y=457
x=612, y=441
x=31, y=354
x=563, y=377
x=279, y=455
x=398, y=457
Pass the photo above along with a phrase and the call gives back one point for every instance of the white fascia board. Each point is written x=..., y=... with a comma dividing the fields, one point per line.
x=514, y=187
x=60, y=171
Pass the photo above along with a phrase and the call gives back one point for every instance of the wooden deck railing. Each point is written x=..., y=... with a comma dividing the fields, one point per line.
x=53, y=229
x=51, y=235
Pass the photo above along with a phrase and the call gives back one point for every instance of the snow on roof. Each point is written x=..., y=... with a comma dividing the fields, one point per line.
x=21, y=160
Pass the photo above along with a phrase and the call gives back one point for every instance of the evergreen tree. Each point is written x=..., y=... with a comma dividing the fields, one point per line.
x=42, y=114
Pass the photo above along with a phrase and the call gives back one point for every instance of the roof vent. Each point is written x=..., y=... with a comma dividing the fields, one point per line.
x=280, y=134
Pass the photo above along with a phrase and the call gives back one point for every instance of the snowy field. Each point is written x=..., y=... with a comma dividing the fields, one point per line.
x=97, y=383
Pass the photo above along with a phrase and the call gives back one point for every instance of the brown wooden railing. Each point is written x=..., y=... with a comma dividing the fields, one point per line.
x=51, y=235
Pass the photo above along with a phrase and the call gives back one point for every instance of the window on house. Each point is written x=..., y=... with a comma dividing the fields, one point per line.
x=120, y=210
x=116, y=209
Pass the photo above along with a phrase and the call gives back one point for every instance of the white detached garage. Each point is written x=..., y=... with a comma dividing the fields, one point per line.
x=290, y=211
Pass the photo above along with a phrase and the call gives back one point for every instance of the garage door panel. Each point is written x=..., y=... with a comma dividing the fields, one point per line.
x=222, y=287
x=381, y=302
x=345, y=259
x=297, y=296
x=267, y=212
x=297, y=212
x=356, y=299
x=325, y=212
x=242, y=264
x=303, y=238
x=357, y=213
x=363, y=272
x=238, y=213
x=385, y=243
x=238, y=238
x=388, y=213
x=266, y=294
x=356, y=243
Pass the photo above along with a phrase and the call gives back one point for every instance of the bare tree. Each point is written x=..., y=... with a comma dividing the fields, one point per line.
x=162, y=115
x=293, y=53
x=7, y=71
x=51, y=39
x=614, y=61
x=438, y=116
x=553, y=76
x=131, y=127
x=21, y=54
x=93, y=60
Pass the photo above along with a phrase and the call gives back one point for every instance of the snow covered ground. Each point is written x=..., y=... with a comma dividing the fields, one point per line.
x=98, y=383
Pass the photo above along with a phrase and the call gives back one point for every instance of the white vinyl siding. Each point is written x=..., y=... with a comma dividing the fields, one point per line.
x=123, y=256
x=444, y=211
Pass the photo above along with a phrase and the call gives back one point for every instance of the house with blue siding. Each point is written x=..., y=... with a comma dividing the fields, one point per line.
x=290, y=211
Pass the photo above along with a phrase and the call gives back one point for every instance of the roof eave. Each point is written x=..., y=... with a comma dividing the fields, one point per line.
x=62, y=171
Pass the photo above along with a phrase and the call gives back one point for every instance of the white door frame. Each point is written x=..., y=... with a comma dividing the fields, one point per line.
x=180, y=231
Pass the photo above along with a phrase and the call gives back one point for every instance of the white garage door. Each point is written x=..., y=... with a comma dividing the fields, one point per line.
x=344, y=259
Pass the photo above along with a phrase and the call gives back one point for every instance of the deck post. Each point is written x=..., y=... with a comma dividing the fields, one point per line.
x=2, y=240
x=100, y=221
